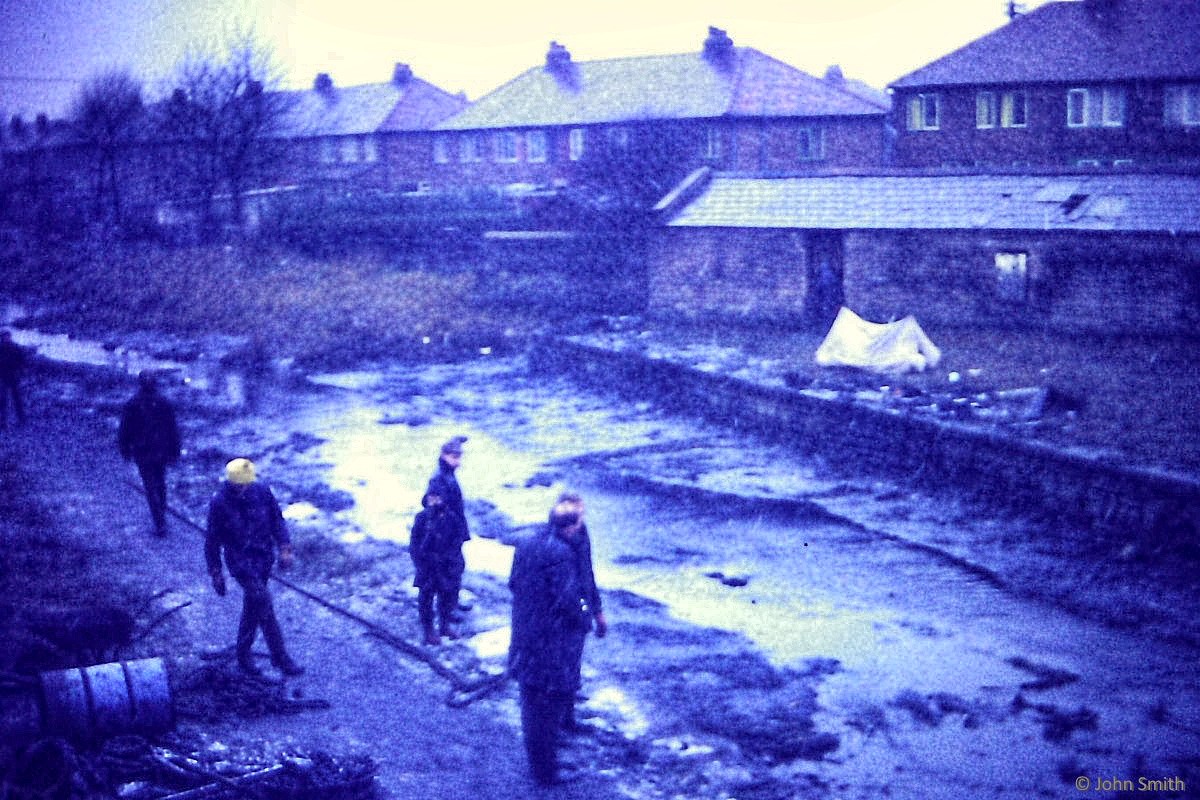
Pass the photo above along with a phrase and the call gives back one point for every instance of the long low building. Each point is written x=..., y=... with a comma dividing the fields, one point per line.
x=1113, y=252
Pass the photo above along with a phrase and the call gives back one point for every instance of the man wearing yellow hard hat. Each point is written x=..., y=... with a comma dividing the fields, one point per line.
x=246, y=526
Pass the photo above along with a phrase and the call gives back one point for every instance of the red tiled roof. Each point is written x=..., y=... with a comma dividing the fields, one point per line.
x=1088, y=40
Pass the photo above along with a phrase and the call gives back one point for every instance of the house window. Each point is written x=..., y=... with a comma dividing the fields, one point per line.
x=1014, y=109
x=985, y=110
x=1095, y=107
x=468, y=149
x=349, y=150
x=370, y=149
x=575, y=142
x=811, y=144
x=1012, y=276
x=1181, y=105
x=535, y=146
x=1112, y=106
x=924, y=112
x=504, y=147
x=328, y=151
x=441, y=149
x=712, y=142
x=618, y=137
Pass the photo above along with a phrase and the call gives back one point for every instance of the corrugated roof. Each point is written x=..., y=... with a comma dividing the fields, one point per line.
x=367, y=108
x=681, y=86
x=1096, y=40
x=1125, y=203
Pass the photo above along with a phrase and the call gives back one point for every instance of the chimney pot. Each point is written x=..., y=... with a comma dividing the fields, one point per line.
x=401, y=74
x=323, y=83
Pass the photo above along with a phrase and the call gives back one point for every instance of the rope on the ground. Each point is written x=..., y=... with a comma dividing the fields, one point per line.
x=463, y=692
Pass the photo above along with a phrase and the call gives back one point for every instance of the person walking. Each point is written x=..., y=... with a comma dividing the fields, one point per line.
x=149, y=436
x=436, y=549
x=444, y=484
x=246, y=526
x=555, y=603
x=12, y=365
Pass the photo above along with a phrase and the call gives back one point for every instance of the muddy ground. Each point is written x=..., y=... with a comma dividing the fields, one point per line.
x=726, y=721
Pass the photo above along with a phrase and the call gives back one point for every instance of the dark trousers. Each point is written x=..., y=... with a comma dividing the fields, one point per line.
x=446, y=599
x=154, y=481
x=11, y=388
x=259, y=612
x=542, y=714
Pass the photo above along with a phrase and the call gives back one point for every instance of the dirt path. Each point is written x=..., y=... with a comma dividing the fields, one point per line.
x=63, y=474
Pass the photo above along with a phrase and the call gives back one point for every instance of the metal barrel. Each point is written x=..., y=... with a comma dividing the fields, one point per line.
x=87, y=703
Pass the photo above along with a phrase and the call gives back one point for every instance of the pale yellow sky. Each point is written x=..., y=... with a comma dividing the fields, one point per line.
x=468, y=46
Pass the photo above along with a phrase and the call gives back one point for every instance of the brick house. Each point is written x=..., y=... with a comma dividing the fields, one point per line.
x=1090, y=84
x=367, y=136
x=1113, y=252
x=725, y=106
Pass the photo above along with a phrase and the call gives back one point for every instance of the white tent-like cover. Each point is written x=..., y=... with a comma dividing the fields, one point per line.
x=891, y=347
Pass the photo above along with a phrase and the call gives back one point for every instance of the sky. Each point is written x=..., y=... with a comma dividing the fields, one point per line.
x=51, y=46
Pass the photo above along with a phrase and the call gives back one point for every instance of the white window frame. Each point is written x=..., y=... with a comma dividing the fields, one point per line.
x=370, y=149
x=1096, y=107
x=1009, y=103
x=1078, y=102
x=712, y=142
x=348, y=150
x=328, y=151
x=576, y=143
x=919, y=107
x=441, y=148
x=1112, y=106
x=504, y=147
x=1181, y=105
x=536, y=147
x=1012, y=276
x=986, y=110
x=469, y=151
x=814, y=136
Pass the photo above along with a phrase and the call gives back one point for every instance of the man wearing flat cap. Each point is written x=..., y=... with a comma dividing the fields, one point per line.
x=246, y=526
x=149, y=436
x=445, y=485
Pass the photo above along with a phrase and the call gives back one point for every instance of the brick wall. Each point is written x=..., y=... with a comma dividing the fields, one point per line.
x=1090, y=497
x=1104, y=282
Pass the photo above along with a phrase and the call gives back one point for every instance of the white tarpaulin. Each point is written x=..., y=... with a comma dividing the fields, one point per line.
x=894, y=347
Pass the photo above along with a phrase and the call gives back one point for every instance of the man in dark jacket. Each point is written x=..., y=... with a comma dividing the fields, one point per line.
x=445, y=485
x=555, y=603
x=149, y=436
x=436, y=549
x=12, y=364
x=246, y=526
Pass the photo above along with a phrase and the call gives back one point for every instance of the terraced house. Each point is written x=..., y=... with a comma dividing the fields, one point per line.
x=724, y=106
x=1088, y=84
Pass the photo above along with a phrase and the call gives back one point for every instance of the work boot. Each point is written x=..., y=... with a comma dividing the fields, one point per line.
x=431, y=637
x=289, y=668
x=448, y=631
x=249, y=669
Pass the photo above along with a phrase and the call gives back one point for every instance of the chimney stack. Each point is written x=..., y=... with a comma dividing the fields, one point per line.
x=559, y=64
x=323, y=83
x=401, y=74
x=834, y=76
x=718, y=48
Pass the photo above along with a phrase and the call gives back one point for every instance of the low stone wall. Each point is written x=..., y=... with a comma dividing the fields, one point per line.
x=1001, y=472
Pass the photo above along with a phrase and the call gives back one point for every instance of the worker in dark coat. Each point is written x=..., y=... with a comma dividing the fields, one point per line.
x=246, y=526
x=444, y=484
x=149, y=436
x=555, y=603
x=12, y=365
x=436, y=549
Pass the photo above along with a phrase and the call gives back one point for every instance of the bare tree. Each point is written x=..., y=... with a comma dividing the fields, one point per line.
x=221, y=119
x=105, y=115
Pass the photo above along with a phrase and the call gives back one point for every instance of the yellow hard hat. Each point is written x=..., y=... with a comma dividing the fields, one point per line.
x=240, y=470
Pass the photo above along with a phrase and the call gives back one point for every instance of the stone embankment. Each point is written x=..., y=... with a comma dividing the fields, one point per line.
x=1003, y=472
